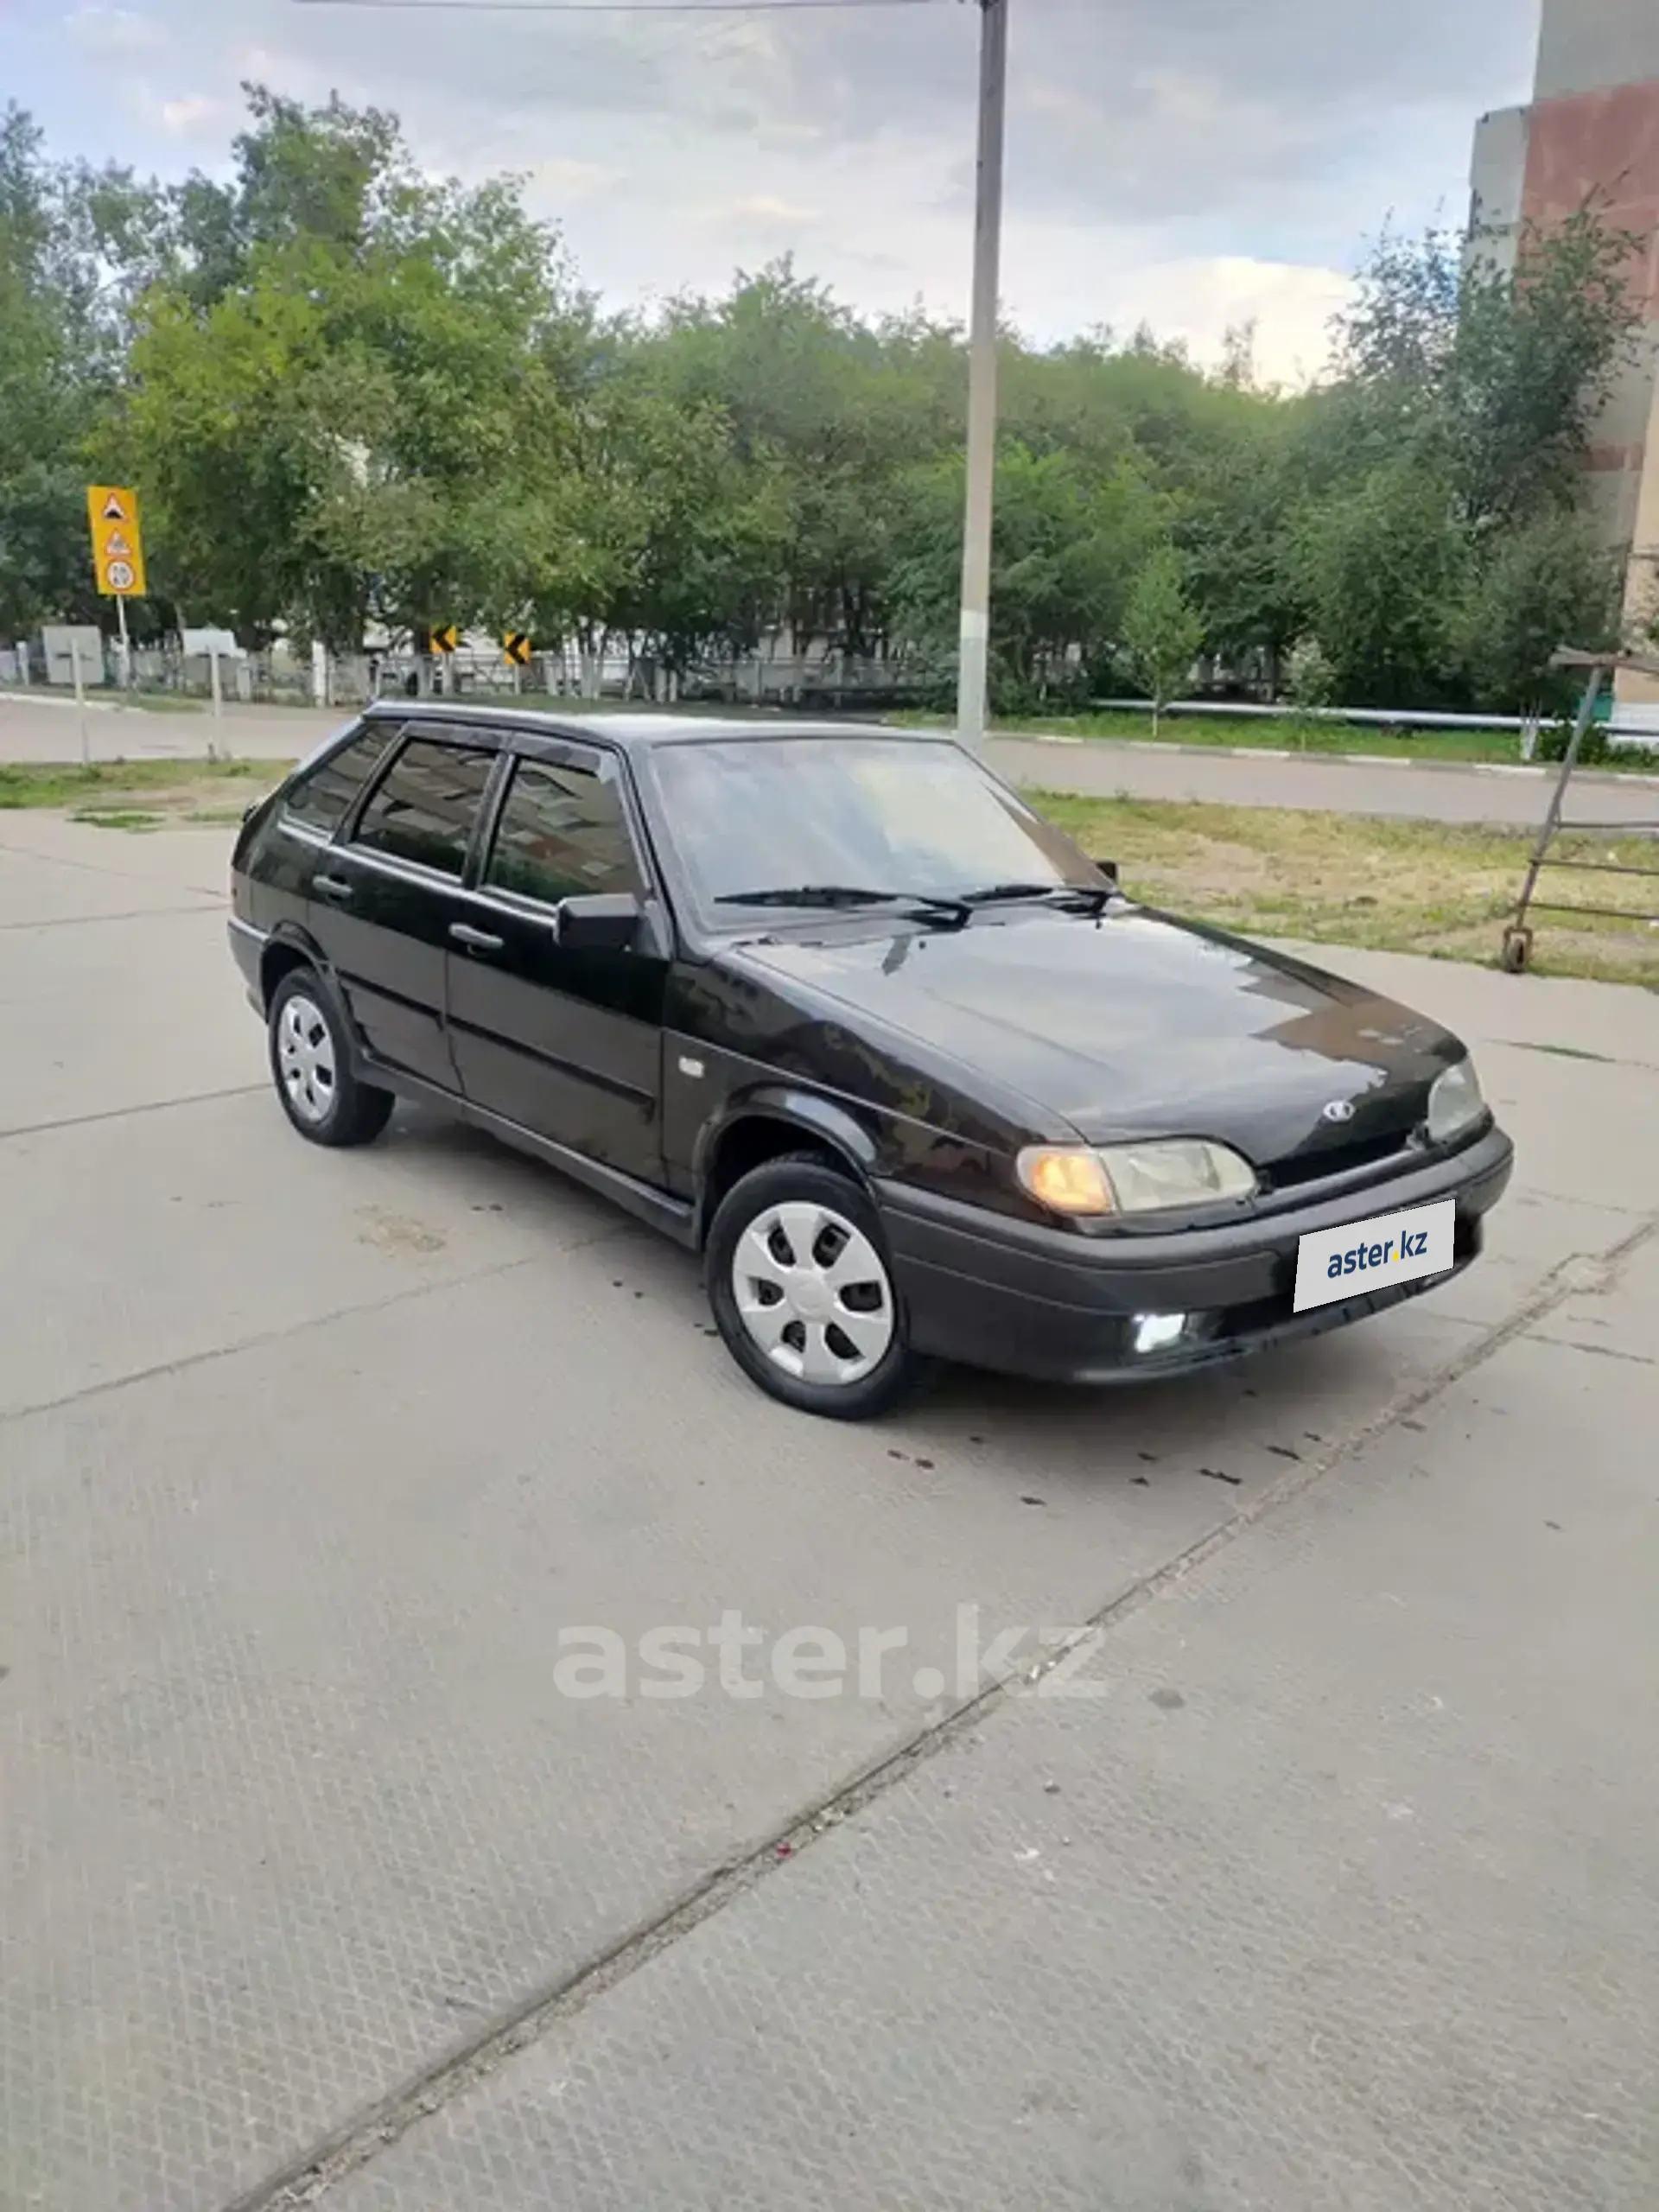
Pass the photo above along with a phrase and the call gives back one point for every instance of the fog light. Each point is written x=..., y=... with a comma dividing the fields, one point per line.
x=1157, y=1332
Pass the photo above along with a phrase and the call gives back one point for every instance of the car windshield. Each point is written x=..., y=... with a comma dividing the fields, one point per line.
x=847, y=822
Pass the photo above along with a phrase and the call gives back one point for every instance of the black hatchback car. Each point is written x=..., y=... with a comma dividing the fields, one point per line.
x=838, y=1009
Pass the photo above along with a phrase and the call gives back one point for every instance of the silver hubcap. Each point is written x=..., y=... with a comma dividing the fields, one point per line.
x=305, y=1056
x=813, y=1293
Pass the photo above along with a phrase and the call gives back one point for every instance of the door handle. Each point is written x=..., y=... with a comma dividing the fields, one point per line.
x=332, y=887
x=475, y=940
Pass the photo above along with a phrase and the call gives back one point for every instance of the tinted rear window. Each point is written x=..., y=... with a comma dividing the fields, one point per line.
x=425, y=806
x=321, y=796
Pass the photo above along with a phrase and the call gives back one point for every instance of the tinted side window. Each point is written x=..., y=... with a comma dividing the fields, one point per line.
x=426, y=806
x=323, y=795
x=560, y=834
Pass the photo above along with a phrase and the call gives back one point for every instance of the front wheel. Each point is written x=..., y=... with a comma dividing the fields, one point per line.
x=311, y=1067
x=803, y=1293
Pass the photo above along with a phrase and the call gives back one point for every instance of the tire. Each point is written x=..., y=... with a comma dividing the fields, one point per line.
x=311, y=1066
x=780, y=1240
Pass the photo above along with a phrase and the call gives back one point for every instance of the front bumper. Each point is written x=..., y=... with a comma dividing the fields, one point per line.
x=1025, y=1299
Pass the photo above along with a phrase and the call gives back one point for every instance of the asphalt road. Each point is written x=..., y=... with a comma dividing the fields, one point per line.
x=33, y=731
x=316, y=1881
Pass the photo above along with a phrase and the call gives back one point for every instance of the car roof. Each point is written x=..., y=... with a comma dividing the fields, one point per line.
x=633, y=732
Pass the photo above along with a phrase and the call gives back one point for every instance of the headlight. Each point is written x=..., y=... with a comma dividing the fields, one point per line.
x=1167, y=1173
x=1455, y=1103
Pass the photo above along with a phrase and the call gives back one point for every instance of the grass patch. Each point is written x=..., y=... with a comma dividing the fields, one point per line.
x=109, y=695
x=1438, y=889
x=118, y=817
x=109, y=785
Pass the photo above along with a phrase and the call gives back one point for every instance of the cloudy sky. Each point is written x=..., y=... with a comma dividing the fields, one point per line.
x=1191, y=161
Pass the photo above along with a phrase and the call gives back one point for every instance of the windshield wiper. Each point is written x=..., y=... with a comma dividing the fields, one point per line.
x=998, y=894
x=839, y=894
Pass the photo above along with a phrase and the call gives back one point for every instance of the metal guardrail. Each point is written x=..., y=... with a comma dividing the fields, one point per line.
x=1364, y=717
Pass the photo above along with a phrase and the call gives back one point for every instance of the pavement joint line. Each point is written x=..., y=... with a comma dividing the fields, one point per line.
x=1568, y=1199
x=350, y=2148
x=260, y=1337
x=122, y=1113
x=621, y=1231
x=1568, y=1052
x=94, y=867
x=1601, y=1351
x=208, y=902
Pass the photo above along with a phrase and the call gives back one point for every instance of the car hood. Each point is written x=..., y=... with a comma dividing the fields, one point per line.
x=1131, y=1024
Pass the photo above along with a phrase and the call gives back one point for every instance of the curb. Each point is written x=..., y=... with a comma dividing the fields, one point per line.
x=1609, y=776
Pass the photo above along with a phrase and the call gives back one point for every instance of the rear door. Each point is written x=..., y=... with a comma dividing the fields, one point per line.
x=385, y=895
x=565, y=1043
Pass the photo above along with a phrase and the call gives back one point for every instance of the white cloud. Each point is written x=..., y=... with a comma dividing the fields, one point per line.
x=571, y=180
x=188, y=113
x=1193, y=161
x=762, y=209
x=114, y=30
x=1200, y=300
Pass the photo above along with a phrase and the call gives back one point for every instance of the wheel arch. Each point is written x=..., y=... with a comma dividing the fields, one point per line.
x=287, y=948
x=766, y=1123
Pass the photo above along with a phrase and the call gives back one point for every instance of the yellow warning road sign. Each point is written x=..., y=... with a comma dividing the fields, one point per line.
x=118, y=541
x=445, y=638
x=517, y=646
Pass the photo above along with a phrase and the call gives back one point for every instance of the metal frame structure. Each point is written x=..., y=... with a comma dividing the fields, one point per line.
x=1517, y=954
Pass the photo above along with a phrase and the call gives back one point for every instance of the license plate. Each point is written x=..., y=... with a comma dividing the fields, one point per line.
x=1365, y=1255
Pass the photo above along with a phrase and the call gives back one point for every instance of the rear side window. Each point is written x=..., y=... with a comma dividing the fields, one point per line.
x=321, y=797
x=561, y=834
x=426, y=806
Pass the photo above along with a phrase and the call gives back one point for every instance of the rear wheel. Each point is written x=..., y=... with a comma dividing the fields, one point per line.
x=311, y=1066
x=802, y=1293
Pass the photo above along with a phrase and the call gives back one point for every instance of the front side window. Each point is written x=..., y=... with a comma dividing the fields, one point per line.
x=426, y=806
x=321, y=796
x=562, y=835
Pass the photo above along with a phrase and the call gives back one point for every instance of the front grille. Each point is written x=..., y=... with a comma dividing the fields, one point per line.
x=1336, y=1160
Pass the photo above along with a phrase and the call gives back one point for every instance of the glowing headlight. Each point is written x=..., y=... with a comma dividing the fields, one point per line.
x=1162, y=1175
x=1455, y=1103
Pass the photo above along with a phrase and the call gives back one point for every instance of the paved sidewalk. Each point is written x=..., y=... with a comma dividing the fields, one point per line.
x=1344, y=1891
x=307, y=1459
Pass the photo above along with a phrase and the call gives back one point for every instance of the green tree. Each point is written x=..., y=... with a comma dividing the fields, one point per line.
x=1066, y=540
x=346, y=404
x=1383, y=568
x=1553, y=582
x=1490, y=372
x=53, y=392
x=1162, y=629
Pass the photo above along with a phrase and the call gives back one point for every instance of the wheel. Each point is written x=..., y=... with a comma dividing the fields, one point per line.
x=1517, y=950
x=802, y=1293
x=311, y=1066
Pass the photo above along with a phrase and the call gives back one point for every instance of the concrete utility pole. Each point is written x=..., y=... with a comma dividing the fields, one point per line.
x=975, y=634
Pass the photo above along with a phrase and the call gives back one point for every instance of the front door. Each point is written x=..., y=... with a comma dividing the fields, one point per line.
x=383, y=901
x=565, y=1043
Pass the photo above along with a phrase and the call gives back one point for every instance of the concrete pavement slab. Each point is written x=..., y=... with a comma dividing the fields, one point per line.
x=38, y=889
x=1098, y=768
x=99, y=1017
x=297, y=1804
x=1609, y=1021
x=1344, y=1892
x=328, y=1449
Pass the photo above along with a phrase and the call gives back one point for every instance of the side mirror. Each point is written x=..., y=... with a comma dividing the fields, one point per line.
x=602, y=921
x=1109, y=870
